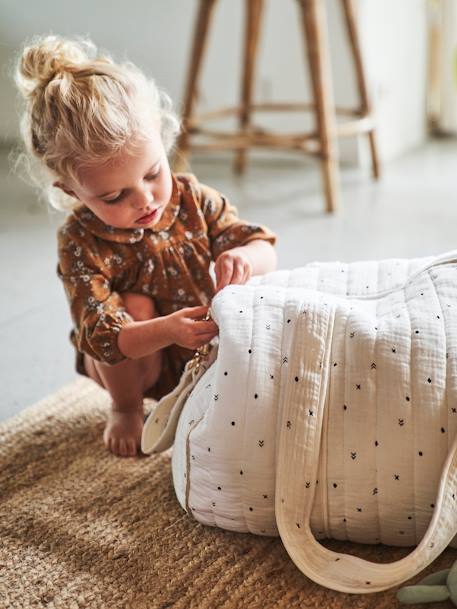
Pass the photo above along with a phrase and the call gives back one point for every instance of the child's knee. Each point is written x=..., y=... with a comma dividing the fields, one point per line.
x=139, y=306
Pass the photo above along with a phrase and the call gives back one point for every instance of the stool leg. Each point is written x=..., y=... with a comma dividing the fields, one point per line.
x=254, y=10
x=349, y=14
x=199, y=44
x=315, y=30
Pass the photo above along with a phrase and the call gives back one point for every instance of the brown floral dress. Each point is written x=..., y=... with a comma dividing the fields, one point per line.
x=168, y=262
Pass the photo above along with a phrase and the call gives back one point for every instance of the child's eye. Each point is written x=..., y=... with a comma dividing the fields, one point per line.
x=118, y=198
x=153, y=176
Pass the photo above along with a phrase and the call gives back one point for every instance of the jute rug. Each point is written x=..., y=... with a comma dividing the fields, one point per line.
x=81, y=528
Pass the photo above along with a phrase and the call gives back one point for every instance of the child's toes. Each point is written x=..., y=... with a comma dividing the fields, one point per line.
x=132, y=448
x=122, y=447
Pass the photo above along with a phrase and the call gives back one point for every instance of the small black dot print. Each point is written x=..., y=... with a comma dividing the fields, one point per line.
x=296, y=379
x=443, y=430
x=225, y=373
x=157, y=420
x=344, y=519
x=410, y=517
x=429, y=380
x=432, y=505
x=261, y=442
x=271, y=376
x=453, y=496
x=288, y=321
x=345, y=407
x=311, y=413
x=394, y=350
x=368, y=583
x=289, y=424
x=282, y=500
x=367, y=286
x=353, y=455
x=317, y=482
x=209, y=450
x=241, y=472
x=359, y=509
x=375, y=490
x=193, y=457
x=335, y=485
x=407, y=398
x=396, y=477
x=357, y=386
x=261, y=298
x=241, y=311
x=454, y=410
x=335, y=364
x=185, y=476
x=233, y=422
x=422, y=293
x=437, y=317
x=219, y=488
x=376, y=443
x=307, y=484
x=213, y=503
x=251, y=509
x=401, y=422
x=417, y=331
x=298, y=525
x=265, y=496
x=376, y=327
x=249, y=350
x=420, y=453
x=256, y=395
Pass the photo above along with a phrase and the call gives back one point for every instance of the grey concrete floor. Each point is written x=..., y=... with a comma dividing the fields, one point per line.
x=411, y=212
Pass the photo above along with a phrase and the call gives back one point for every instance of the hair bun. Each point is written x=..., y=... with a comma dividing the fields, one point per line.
x=45, y=57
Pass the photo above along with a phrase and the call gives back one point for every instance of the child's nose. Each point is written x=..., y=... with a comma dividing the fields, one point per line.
x=143, y=199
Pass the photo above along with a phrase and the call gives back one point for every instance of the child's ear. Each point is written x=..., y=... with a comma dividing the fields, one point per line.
x=62, y=186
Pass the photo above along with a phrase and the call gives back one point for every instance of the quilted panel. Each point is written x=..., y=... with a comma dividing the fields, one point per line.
x=390, y=412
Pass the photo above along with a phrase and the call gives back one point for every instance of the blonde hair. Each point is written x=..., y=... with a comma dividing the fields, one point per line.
x=81, y=109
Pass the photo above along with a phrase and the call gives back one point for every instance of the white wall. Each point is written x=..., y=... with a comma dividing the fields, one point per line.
x=157, y=36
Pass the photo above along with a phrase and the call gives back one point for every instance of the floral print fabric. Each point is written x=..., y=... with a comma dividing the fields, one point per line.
x=168, y=262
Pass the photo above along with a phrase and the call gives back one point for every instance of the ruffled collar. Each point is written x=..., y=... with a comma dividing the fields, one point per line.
x=130, y=235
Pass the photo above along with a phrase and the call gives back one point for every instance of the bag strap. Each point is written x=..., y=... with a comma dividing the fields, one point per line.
x=160, y=427
x=298, y=459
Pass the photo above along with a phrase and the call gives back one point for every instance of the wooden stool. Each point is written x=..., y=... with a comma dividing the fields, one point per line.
x=321, y=142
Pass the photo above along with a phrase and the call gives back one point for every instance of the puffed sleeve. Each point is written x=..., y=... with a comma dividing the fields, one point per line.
x=225, y=229
x=98, y=313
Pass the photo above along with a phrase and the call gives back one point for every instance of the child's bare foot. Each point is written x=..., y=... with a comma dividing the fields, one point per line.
x=122, y=435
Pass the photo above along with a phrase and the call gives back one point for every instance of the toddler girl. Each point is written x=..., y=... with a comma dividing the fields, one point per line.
x=134, y=252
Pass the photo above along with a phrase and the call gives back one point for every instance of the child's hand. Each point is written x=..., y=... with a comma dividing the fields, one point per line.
x=232, y=266
x=187, y=330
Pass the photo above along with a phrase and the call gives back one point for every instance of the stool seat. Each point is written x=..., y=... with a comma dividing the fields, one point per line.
x=322, y=140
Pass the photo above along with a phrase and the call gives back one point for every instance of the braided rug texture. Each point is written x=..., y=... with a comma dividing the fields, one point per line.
x=82, y=528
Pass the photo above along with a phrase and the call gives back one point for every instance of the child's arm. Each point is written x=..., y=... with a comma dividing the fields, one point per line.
x=239, y=264
x=184, y=328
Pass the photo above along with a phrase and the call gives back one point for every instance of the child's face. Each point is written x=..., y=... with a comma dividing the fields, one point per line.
x=132, y=190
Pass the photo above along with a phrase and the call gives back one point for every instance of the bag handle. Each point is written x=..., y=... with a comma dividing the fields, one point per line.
x=159, y=429
x=298, y=460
